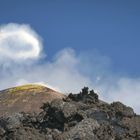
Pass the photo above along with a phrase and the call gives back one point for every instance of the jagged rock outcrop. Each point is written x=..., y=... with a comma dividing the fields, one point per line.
x=76, y=117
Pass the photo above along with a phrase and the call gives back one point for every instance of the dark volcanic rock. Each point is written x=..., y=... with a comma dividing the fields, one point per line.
x=77, y=117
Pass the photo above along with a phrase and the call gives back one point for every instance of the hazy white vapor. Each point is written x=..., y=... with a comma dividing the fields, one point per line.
x=127, y=91
x=67, y=71
x=62, y=73
x=18, y=43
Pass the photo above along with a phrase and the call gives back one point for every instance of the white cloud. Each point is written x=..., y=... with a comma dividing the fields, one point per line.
x=61, y=73
x=127, y=90
x=18, y=43
x=67, y=72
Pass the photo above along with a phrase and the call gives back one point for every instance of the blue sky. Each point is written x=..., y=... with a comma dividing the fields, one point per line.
x=111, y=27
x=70, y=44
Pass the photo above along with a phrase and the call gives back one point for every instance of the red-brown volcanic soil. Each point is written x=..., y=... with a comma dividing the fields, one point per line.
x=27, y=98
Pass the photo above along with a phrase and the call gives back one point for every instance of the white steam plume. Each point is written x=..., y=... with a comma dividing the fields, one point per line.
x=18, y=43
x=67, y=72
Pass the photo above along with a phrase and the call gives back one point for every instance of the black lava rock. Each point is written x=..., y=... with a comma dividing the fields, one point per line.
x=77, y=117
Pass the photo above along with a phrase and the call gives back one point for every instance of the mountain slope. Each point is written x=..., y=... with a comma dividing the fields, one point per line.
x=79, y=116
x=27, y=98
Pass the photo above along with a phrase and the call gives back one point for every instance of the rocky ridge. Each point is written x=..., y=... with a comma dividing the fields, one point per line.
x=76, y=117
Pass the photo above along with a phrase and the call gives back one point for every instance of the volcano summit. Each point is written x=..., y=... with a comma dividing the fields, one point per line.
x=79, y=116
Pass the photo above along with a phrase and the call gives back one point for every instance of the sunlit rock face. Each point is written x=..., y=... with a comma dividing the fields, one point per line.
x=27, y=98
x=79, y=116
